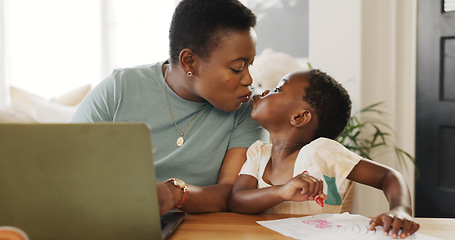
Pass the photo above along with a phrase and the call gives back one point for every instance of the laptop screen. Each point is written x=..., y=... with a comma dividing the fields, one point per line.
x=78, y=181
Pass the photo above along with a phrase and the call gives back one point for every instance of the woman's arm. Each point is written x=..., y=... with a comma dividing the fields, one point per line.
x=208, y=198
x=214, y=198
x=392, y=183
x=247, y=198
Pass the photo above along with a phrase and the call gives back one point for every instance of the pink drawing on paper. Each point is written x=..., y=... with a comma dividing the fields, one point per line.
x=320, y=223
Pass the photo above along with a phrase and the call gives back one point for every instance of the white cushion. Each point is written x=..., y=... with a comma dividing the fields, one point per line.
x=49, y=112
x=23, y=97
x=73, y=97
x=39, y=109
x=18, y=114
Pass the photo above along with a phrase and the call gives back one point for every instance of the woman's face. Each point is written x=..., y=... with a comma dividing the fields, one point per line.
x=223, y=79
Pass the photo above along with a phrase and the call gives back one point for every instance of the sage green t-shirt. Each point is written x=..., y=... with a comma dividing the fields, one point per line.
x=137, y=94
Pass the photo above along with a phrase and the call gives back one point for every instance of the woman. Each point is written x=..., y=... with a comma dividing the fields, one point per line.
x=195, y=103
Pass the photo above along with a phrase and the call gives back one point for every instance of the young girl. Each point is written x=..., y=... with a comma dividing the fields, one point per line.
x=303, y=115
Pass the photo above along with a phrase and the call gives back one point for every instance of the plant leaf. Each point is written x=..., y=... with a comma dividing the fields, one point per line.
x=354, y=139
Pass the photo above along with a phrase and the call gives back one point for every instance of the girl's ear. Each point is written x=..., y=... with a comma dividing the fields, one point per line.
x=301, y=118
x=187, y=59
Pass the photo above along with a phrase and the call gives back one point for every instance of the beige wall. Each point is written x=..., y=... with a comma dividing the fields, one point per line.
x=370, y=46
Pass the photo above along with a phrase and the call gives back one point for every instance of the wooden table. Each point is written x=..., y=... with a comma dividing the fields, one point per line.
x=226, y=225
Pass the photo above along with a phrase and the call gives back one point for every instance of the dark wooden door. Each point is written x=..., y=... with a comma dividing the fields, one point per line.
x=435, y=126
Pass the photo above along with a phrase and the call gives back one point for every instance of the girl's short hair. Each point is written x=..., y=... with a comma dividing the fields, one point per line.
x=331, y=102
x=200, y=24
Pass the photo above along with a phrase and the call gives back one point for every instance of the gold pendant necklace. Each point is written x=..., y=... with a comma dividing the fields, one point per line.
x=180, y=140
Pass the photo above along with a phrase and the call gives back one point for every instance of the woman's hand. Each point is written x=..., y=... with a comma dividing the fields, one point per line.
x=302, y=187
x=394, y=220
x=166, y=196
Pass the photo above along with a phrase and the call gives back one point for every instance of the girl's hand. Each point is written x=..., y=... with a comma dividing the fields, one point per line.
x=394, y=220
x=302, y=187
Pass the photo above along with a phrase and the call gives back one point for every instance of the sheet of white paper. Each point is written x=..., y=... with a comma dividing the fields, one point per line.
x=331, y=226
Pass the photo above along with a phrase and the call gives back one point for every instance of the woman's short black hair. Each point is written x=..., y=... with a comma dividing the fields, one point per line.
x=330, y=101
x=200, y=24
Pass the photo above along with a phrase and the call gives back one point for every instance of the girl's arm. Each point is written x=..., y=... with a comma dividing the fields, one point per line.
x=392, y=183
x=246, y=198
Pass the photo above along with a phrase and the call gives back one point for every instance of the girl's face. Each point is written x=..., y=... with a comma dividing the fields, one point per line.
x=275, y=108
x=223, y=79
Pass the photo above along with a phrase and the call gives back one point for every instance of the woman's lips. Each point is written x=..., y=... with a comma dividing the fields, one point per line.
x=245, y=97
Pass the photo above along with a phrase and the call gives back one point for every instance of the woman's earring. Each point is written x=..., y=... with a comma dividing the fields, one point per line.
x=189, y=74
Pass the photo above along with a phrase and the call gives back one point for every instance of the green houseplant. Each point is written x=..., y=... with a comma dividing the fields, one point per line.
x=378, y=134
